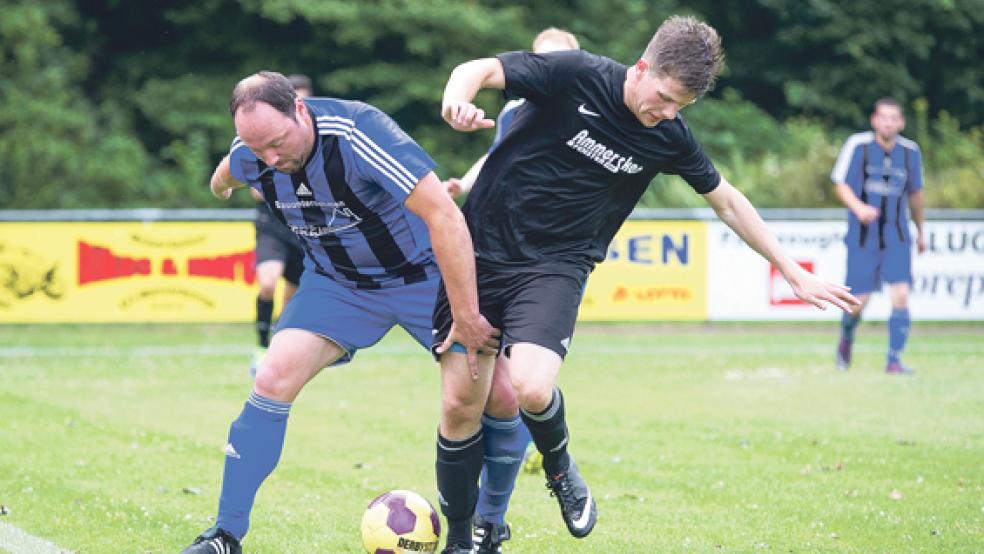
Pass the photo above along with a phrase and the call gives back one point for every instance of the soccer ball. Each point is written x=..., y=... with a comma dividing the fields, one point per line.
x=400, y=522
x=533, y=460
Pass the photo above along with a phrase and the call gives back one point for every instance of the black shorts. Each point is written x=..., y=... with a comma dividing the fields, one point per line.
x=537, y=308
x=273, y=243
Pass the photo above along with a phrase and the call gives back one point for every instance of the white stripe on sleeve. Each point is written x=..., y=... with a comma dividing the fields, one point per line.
x=843, y=165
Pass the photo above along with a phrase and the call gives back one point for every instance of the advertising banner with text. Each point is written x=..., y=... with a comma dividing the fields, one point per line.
x=126, y=271
x=654, y=270
x=948, y=279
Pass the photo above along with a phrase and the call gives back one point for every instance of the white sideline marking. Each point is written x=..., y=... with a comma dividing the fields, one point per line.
x=17, y=541
x=117, y=351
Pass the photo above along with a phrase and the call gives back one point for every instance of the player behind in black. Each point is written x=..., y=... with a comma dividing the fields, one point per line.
x=543, y=211
x=278, y=254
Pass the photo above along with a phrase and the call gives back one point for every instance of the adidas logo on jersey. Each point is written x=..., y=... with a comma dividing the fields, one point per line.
x=302, y=190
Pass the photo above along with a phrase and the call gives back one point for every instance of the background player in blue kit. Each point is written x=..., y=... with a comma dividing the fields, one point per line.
x=548, y=201
x=361, y=195
x=879, y=177
x=278, y=254
x=506, y=437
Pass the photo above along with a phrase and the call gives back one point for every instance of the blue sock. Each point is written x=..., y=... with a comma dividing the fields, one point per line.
x=255, y=441
x=898, y=332
x=848, y=324
x=505, y=445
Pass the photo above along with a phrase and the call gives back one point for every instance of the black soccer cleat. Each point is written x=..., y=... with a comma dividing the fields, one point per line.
x=214, y=541
x=457, y=549
x=487, y=537
x=576, y=504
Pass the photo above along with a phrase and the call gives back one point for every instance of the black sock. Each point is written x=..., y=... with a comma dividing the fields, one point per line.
x=549, y=431
x=264, y=315
x=459, y=463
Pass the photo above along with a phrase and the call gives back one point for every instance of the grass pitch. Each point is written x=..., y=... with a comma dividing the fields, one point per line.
x=694, y=438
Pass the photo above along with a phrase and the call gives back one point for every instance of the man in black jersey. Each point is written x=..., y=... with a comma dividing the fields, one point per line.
x=278, y=254
x=548, y=201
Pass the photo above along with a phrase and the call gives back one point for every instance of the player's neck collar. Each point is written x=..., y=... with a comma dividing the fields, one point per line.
x=887, y=148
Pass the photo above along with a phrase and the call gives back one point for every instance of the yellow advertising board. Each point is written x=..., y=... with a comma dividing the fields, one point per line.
x=203, y=271
x=654, y=270
x=126, y=272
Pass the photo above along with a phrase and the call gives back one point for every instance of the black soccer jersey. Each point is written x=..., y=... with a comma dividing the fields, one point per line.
x=572, y=165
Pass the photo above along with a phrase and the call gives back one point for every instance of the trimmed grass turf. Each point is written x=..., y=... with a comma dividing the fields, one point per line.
x=720, y=438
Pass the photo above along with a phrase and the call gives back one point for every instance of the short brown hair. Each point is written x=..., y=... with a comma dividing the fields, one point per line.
x=890, y=102
x=687, y=50
x=300, y=81
x=268, y=87
x=556, y=35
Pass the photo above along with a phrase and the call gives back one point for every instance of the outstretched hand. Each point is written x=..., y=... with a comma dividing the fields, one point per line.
x=465, y=117
x=814, y=290
x=477, y=336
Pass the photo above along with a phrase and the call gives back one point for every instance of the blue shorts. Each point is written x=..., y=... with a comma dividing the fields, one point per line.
x=868, y=267
x=356, y=319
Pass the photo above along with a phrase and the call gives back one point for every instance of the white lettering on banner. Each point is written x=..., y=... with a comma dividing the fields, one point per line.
x=603, y=155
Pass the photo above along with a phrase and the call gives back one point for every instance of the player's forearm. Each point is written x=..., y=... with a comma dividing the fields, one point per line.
x=468, y=179
x=847, y=197
x=470, y=77
x=451, y=243
x=916, y=209
x=222, y=181
x=737, y=212
x=455, y=257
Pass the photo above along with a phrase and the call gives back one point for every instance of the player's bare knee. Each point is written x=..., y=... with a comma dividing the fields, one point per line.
x=457, y=411
x=534, y=398
x=502, y=408
x=275, y=381
x=267, y=290
x=502, y=401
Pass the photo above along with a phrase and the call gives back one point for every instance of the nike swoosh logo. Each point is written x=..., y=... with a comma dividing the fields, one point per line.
x=586, y=111
x=585, y=515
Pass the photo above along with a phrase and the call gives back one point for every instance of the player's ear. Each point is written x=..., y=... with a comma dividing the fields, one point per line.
x=642, y=66
x=300, y=108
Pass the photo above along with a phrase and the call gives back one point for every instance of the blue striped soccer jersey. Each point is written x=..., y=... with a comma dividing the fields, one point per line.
x=883, y=180
x=346, y=204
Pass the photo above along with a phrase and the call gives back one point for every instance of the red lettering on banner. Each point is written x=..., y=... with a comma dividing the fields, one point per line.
x=97, y=263
x=229, y=267
x=621, y=293
x=666, y=293
x=168, y=267
x=780, y=293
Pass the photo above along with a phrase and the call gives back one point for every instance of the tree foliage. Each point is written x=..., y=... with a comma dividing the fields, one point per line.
x=110, y=103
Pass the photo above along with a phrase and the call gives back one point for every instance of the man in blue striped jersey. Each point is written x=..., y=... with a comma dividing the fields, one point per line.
x=375, y=224
x=879, y=177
